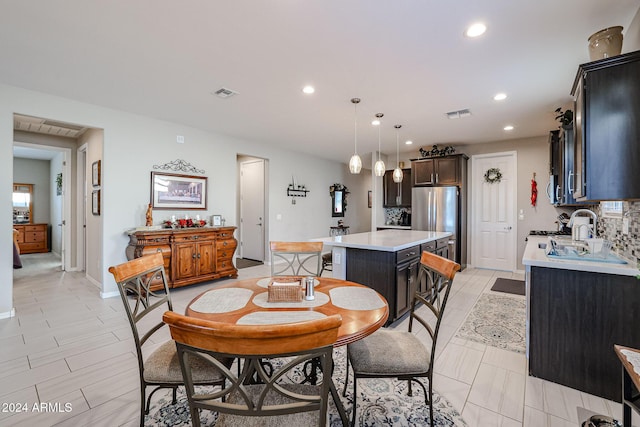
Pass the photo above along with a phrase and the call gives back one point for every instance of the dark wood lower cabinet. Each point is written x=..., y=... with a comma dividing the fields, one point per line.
x=575, y=318
x=392, y=274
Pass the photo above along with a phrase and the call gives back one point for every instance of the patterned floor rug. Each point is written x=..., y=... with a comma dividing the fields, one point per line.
x=497, y=321
x=381, y=402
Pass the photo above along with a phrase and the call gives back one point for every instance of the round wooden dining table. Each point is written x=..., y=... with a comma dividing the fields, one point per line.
x=363, y=310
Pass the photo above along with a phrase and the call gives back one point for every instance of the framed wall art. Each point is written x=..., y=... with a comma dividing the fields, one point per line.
x=95, y=202
x=173, y=191
x=95, y=173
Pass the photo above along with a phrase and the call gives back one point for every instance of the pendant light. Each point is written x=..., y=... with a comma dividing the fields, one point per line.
x=355, y=163
x=379, y=167
x=397, y=172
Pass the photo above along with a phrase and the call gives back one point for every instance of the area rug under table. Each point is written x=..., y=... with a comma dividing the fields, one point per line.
x=497, y=321
x=381, y=402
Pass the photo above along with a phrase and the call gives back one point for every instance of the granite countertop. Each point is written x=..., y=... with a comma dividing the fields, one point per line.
x=384, y=240
x=535, y=256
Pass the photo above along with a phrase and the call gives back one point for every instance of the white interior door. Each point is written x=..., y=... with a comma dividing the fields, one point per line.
x=494, y=212
x=252, y=220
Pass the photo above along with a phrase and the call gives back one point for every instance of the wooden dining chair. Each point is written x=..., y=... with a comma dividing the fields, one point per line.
x=397, y=354
x=144, y=308
x=252, y=393
x=299, y=258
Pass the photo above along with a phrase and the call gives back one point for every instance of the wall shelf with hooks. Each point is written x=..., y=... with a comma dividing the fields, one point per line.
x=297, y=191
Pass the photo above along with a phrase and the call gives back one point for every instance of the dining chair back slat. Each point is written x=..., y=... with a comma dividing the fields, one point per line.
x=254, y=392
x=299, y=258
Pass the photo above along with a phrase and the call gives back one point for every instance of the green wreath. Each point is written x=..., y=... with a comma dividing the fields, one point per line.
x=493, y=175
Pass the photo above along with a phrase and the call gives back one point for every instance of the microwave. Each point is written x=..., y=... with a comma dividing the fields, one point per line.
x=553, y=190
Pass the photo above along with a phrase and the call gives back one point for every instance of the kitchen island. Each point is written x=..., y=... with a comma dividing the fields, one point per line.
x=576, y=312
x=385, y=260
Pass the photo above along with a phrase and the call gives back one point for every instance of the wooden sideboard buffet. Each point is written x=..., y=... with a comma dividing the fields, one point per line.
x=191, y=255
x=32, y=238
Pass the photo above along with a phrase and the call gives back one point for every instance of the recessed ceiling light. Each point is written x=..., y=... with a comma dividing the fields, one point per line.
x=508, y=128
x=409, y=142
x=500, y=96
x=308, y=90
x=476, y=30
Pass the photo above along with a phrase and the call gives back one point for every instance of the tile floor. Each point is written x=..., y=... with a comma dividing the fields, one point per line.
x=72, y=350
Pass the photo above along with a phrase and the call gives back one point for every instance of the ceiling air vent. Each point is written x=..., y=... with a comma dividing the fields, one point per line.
x=225, y=93
x=459, y=114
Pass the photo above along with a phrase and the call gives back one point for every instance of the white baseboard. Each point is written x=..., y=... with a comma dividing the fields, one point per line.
x=8, y=314
x=104, y=295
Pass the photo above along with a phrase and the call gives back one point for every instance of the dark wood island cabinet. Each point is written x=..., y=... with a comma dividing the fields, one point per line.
x=393, y=274
x=575, y=319
x=191, y=255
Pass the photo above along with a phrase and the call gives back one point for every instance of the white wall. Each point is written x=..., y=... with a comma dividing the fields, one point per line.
x=94, y=265
x=133, y=144
x=631, y=41
x=56, y=204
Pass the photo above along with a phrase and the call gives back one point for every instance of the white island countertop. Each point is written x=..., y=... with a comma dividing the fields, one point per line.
x=535, y=256
x=384, y=240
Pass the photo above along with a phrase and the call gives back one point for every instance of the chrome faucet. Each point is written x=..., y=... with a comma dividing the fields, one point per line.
x=575, y=231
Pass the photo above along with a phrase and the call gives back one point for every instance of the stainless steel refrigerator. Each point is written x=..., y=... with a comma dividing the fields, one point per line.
x=440, y=209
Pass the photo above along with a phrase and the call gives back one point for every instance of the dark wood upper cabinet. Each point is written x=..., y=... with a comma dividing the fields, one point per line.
x=437, y=171
x=397, y=195
x=607, y=129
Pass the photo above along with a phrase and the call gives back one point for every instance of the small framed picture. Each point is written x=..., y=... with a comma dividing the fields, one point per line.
x=95, y=173
x=95, y=202
x=369, y=198
x=217, y=220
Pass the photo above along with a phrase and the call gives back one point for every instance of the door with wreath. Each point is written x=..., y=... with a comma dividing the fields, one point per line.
x=493, y=201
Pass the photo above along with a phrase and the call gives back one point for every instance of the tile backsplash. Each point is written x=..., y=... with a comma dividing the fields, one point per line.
x=392, y=216
x=610, y=228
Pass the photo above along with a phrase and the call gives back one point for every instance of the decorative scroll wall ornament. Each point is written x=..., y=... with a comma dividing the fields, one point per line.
x=179, y=166
x=435, y=151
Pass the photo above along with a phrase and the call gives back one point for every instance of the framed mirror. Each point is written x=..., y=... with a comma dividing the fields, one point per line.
x=22, y=203
x=338, y=203
x=338, y=194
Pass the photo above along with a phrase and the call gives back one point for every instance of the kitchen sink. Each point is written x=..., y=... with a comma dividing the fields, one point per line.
x=568, y=249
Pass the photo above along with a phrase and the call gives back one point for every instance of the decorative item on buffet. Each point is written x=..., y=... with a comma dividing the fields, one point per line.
x=185, y=222
x=435, y=151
